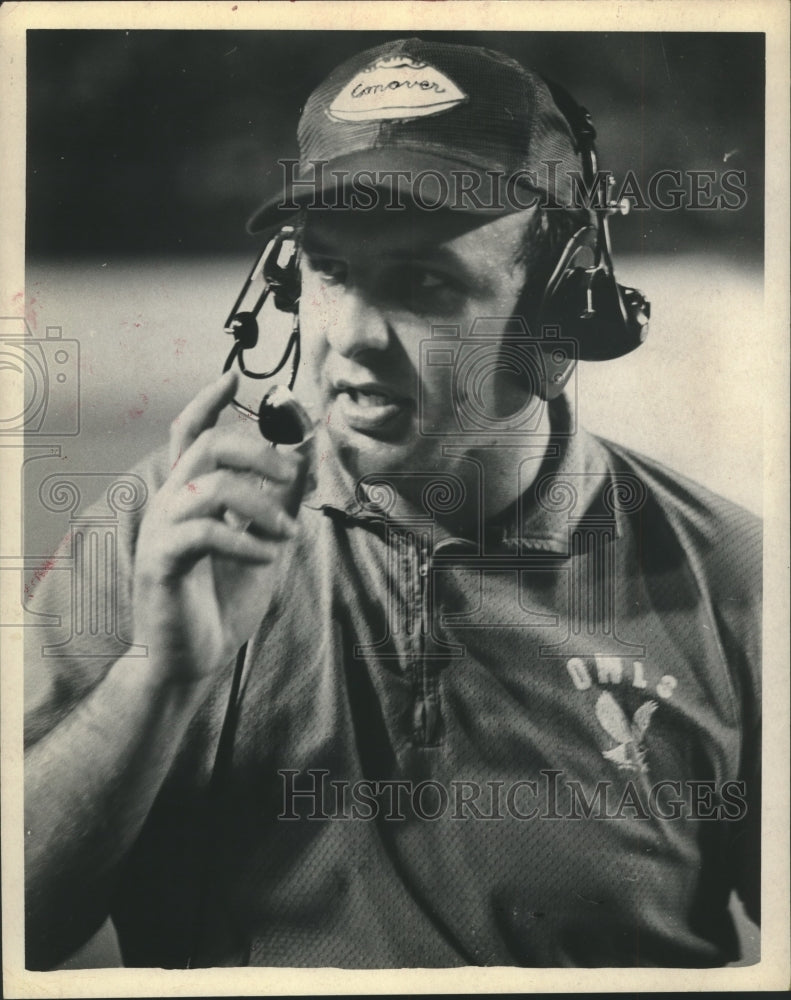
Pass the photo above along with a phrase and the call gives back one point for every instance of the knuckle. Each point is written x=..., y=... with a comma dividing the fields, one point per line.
x=195, y=535
x=210, y=489
x=280, y=468
x=227, y=481
x=209, y=441
x=180, y=427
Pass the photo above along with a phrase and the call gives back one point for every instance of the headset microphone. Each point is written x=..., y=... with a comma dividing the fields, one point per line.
x=281, y=418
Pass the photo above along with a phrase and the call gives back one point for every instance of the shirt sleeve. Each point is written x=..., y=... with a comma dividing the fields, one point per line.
x=81, y=611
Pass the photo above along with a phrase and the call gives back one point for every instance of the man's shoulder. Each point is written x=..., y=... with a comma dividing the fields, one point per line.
x=724, y=536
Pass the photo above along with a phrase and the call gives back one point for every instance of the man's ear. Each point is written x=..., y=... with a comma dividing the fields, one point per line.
x=559, y=364
x=559, y=354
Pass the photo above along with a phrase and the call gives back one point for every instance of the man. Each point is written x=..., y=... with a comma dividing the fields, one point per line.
x=495, y=699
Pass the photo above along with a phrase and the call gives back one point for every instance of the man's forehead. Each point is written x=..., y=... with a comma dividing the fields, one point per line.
x=412, y=230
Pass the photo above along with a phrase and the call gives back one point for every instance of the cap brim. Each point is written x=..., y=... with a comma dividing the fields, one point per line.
x=402, y=175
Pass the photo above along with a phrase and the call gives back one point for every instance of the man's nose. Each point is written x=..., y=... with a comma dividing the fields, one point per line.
x=357, y=324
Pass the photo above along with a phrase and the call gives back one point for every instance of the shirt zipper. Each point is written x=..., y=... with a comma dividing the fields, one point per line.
x=426, y=716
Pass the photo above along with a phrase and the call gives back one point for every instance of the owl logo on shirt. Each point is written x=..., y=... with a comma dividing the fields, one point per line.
x=629, y=754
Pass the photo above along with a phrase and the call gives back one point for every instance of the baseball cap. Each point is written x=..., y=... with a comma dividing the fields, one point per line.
x=443, y=114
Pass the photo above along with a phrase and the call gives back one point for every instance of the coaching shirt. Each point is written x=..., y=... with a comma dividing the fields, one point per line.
x=534, y=746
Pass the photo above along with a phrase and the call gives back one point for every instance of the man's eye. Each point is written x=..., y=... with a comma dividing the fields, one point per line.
x=327, y=268
x=429, y=280
x=431, y=284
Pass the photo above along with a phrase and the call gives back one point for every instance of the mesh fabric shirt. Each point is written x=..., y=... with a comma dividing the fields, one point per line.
x=537, y=746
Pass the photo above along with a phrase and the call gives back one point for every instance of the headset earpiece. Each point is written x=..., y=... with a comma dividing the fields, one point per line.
x=582, y=299
x=605, y=319
x=278, y=267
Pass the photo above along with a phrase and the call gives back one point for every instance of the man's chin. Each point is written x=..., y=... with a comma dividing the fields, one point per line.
x=365, y=454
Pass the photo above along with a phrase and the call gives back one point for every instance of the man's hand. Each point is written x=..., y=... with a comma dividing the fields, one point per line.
x=201, y=582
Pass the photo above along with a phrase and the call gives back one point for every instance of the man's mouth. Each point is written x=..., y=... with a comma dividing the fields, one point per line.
x=368, y=397
x=371, y=407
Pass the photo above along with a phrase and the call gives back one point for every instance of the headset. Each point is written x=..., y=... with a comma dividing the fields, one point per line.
x=581, y=299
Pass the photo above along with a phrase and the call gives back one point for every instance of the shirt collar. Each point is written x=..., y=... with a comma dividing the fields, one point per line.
x=568, y=489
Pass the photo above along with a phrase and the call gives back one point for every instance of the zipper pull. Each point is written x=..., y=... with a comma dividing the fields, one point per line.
x=425, y=721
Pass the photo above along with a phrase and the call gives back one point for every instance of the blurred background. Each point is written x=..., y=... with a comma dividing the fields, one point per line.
x=148, y=150
x=161, y=142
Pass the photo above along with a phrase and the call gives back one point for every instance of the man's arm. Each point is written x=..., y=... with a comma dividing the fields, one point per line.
x=89, y=785
x=200, y=588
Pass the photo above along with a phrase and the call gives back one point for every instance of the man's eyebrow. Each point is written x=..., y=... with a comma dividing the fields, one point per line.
x=427, y=251
x=438, y=255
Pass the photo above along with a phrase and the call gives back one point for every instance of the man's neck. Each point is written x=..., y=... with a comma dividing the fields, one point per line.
x=492, y=476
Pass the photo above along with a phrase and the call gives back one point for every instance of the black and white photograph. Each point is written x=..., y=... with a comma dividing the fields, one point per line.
x=394, y=547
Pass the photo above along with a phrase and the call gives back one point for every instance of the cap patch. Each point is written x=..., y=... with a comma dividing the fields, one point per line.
x=395, y=87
